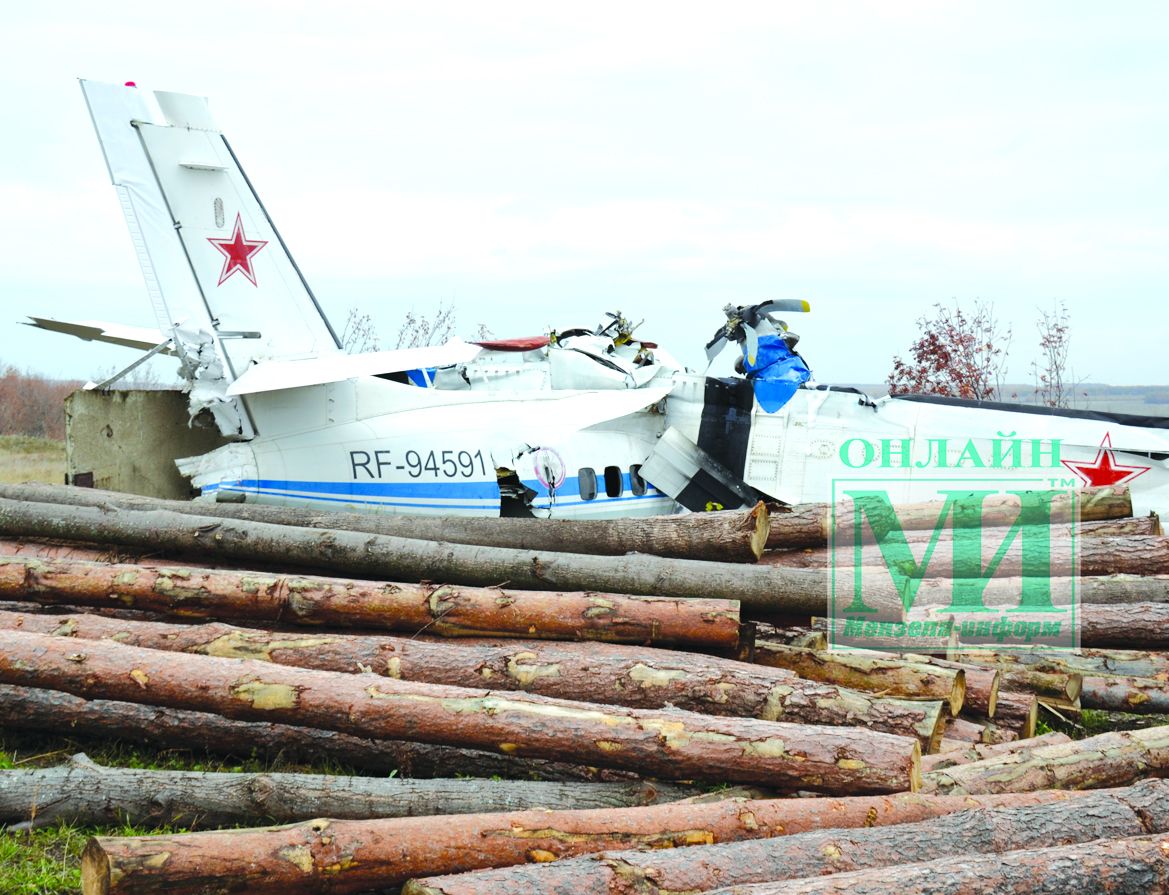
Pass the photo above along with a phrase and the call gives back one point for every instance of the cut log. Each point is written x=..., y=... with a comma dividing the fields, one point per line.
x=765, y=591
x=1108, y=759
x=352, y=856
x=83, y=792
x=1048, y=681
x=978, y=751
x=809, y=525
x=728, y=536
x=446, y=611
x=1107, y=814
x=1135, y=695
x=50, y=711
x=1017, y=712
x=1136, y=865
x=965, y=731
x=667, y=743
x=1126, y=626
x=613, y=675
x=875, y=673
x=1086, y=662
x=1098, y=555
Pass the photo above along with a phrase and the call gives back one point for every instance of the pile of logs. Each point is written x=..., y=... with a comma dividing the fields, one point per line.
x=564, y=704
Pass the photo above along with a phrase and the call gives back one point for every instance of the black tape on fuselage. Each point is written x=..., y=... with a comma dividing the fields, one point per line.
x=726, y=422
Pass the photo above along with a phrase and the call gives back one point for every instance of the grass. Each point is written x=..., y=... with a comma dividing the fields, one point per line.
x=24, y=458
x=48, y=861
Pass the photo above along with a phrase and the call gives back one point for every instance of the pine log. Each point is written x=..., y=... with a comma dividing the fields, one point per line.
x=50, y=711
x=1100, y=555
x=764, y=591
x=875, y=673
x=729, y=536
x=666, y=743
x=604, y=673
x=965, y=731
x=1126, y=626
x=1135, y=695
x=969, y=752
x=1107, y=814
x=352, y=856
x=1086, y=662
x=83, y=792
x=885, y=636
x=1118, y=758
x=810, y=525
x=1136, y=865
x=995, y=733
x=446, y=611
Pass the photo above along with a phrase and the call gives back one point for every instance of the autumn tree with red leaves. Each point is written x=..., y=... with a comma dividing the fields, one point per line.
x=957, y=355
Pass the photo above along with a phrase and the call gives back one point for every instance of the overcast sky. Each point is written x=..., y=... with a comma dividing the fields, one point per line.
x=536, y=165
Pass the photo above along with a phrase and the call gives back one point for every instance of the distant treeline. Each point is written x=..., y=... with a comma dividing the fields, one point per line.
x=33, y=405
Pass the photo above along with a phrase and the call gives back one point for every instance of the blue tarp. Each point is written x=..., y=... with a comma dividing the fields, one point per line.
x=776, y=373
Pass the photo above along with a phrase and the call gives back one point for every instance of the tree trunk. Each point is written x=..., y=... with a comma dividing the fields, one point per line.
x=1048, y=684
x=766, y=591
x=1109, y=814
x=1099, y=555
x=1131, y=866
x=446, y=611
x=1135, y=695
x=82, y=792
x=1127, y=626
x=979, y=751
x=809, y=525
x=1109, y=759
x=612, y=675
x=666, y=743
x=730, y=536
x=352, y=856
x=858, y=670
x=964, y=731
x=50, y=711
x=1086, y=662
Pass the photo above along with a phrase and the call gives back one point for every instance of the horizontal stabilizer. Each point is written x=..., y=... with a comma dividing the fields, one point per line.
x=267, y=376
x=141, y=337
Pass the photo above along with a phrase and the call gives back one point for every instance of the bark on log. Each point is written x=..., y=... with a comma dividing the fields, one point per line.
x=1107, y=814
x=792, y=635
x=83, y=792
x=978, y=751
x=1118, y=758
x=1134, y=695
x=50, y=711
x=765, y=591
x=874, y=673
x=665, y=743
x=612, y=675
x=1017, y=712
x=1048, y=682
x=1130, y=866
x=964, y=730
x=809, y=525
x=1100, y=555
x=1086, y=662
x=352, y=856
x=446, y=611
x=1127, y=626
x=729, y=536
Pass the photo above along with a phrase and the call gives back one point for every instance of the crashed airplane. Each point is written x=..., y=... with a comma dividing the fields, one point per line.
x=581, y=423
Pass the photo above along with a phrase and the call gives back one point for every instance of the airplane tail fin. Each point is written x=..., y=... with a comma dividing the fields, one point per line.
x=220, y=279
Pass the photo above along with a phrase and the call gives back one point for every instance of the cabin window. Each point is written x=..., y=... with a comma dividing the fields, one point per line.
x=588, y=483
x=613, y=483
x=636, y=482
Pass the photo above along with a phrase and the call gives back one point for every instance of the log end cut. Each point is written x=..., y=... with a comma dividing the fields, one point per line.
x=762, y=520
x=95, y=869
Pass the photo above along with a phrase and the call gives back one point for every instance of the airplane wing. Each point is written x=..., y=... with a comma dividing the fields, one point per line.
x=270, y=375
x=141, y=337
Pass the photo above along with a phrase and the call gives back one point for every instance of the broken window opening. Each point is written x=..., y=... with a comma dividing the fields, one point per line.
x=515, y=498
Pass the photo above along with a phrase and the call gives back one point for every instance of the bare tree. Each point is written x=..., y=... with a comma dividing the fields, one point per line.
x=359, y=335
x=958, y=354
x=1052, y=387
x=419, y=330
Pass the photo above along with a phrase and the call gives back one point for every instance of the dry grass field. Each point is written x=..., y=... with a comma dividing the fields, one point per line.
x=24, y=458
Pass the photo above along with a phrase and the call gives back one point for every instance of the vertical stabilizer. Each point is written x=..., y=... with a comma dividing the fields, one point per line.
x=219, y=277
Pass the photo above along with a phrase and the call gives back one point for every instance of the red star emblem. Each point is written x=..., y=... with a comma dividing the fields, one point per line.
x=237, y=253
x=1104, y=470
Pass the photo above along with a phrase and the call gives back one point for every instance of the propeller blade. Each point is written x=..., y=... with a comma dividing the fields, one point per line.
x=784, y=304
x=752, y=343
x=715, y=346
